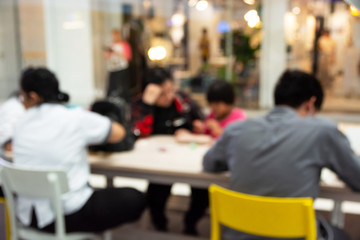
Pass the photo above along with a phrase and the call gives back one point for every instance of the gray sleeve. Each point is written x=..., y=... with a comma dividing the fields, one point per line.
x=341, y=159
x=215, y=160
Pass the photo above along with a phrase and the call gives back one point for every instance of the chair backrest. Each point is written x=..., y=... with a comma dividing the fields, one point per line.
x=261, y=216
x=5, y=222
x=39, y=183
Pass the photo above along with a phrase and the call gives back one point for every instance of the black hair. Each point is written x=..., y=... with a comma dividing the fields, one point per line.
x=296, y=87
x=157, y=75
x=44, y=83
x=220, y=91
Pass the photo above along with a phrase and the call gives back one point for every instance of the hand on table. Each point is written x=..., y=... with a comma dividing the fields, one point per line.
x=185, y=136
x=214, y=127
x=199, y=126
x=151, y=94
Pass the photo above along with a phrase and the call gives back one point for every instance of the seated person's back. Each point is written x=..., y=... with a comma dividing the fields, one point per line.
x=51, y=136
x=282, y=153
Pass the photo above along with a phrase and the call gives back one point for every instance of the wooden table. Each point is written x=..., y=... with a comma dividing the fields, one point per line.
x=159, y=159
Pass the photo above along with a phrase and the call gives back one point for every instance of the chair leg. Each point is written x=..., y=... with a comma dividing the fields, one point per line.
x=107, y=235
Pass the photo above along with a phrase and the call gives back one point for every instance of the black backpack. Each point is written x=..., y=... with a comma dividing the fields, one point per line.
x=116, y=109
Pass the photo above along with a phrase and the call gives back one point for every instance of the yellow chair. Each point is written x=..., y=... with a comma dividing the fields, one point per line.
x=6, y=218
x=261, y=216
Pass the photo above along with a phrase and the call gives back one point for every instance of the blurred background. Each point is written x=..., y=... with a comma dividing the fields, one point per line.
x=247, y=42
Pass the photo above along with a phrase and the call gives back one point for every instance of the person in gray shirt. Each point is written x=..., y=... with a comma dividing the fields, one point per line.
x=282, y=153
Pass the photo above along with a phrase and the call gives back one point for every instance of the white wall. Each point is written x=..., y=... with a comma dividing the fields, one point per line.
x=69, y=51
x=9, y=49
x=273, y=49
x=32, y=32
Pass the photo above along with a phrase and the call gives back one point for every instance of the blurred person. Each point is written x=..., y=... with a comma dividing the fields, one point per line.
x=352, y=71
x=204, y=46
x=327, y=50
x=11, y=111
x=221, y=98
x=49, y=135
x=282, y=154
x=118, y=55
x=162, y=110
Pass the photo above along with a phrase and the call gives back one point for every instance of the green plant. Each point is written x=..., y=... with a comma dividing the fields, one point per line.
x=242, y=49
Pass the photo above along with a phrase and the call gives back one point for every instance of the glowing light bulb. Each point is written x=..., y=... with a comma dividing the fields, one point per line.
x=296, y=10
x=253, y=22
x=178, y=19
x=250, y=2
x=250, y=15
x=354, y=11
x=157, y=53
x=202, y=5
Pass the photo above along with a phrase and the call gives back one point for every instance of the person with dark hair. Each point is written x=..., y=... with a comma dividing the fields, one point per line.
x=50, y=135
x=221, y=98
x=163, y=111
x=282, y=154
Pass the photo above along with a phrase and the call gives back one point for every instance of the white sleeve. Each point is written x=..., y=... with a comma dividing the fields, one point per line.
x=11, y=111
x=96, y=128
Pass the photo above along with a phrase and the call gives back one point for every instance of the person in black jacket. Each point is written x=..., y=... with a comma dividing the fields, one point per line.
x=162, y=110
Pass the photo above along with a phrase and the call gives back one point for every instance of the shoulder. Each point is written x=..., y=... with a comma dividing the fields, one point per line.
x=324, y=129
x=83, y=114
x=235, y=127
x=211, y=116
x=319, y=123
x=239, y=113
x=181, y=95
x=12, y=105
x=184, y=100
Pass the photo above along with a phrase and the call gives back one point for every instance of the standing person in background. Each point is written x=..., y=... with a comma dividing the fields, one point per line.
x=327, y=48
x=118, y=56
x=11, y=111
x=163, y=111
x=51, y=136
x=204, y=46
x=352, y=71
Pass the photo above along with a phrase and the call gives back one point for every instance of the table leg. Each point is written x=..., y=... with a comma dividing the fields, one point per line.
x=337, y=216
x=109, y=182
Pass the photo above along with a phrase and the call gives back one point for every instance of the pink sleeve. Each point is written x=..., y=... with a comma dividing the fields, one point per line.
x=210, y=116
x=238, y=114
x=127, y=51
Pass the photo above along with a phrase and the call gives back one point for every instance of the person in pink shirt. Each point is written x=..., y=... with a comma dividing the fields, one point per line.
x=221, y=97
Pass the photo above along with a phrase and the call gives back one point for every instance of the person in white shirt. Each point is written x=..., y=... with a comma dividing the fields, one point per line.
x=51, y=136
x=10, y=111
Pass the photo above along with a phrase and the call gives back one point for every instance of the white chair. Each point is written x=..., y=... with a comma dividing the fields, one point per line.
x=39, y=184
